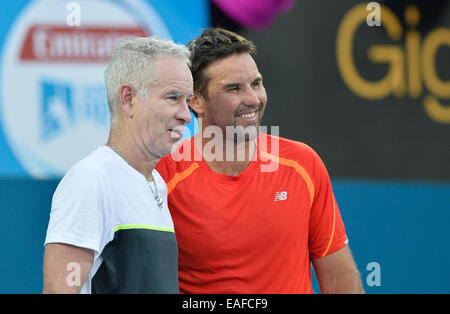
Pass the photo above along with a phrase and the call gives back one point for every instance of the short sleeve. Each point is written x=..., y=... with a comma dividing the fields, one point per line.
x=327, y=232
x=77, y=214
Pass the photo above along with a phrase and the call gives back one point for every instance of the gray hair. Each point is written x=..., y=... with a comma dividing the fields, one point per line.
x=131, y=63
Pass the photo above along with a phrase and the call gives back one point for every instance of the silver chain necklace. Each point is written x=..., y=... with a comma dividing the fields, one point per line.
x=158, y=200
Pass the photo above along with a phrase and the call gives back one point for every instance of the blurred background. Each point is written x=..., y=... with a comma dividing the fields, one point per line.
x=367, y=86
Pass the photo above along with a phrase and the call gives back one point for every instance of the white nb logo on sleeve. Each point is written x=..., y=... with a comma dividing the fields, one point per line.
x=280, y=196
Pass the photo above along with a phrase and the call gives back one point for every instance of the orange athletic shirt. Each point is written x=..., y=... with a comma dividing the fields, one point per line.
x=255, y=232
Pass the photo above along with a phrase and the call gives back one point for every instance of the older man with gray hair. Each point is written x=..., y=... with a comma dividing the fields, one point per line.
x=110, y=230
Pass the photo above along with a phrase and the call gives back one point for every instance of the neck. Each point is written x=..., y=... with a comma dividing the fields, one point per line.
x=226, y=157
x=135, y=156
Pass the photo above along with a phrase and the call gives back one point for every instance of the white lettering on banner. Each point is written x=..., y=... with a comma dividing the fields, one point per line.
x=45, y=43
x=53, y=100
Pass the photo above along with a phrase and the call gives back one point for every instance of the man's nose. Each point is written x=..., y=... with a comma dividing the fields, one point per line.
x=251, y=98
x=184, y=113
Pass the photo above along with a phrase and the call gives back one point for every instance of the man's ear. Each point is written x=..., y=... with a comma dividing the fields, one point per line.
x=197, y=103
x=127, y=99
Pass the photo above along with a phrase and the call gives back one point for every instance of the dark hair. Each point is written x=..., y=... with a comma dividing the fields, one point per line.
x=214, y=44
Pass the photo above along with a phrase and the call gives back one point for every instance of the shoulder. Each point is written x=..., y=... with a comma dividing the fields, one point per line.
x=81, y=205
x=87, y=172
x=294, y=155
x=182, y=158
x=288, y=149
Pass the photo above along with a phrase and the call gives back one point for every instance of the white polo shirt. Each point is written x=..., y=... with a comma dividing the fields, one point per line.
x=105, y=205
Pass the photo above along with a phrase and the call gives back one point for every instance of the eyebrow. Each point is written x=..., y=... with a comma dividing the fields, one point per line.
x=258, y=79
x=232, y=85
x=176, y=93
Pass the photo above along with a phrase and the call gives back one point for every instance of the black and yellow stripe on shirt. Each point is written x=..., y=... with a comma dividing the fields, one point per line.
x=140, y=259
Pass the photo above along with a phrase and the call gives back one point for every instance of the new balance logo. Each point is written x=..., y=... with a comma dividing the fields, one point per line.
x=280, y=196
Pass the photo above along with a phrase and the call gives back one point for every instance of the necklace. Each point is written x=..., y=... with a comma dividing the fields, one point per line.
x=158, y=200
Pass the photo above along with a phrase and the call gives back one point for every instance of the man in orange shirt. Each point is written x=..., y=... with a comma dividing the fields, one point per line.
x=251, y=211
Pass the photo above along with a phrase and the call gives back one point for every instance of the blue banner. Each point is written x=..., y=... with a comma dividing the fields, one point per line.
x=53, y=106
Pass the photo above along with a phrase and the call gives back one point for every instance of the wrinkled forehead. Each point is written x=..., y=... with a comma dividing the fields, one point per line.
x=172, y=73
x=237, y=68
